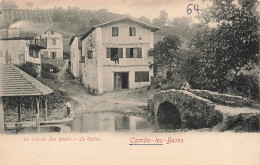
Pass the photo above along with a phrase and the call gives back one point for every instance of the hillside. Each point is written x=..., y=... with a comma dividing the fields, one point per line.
x=72, y=21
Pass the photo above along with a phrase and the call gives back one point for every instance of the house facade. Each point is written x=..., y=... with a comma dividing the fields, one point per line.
x=76, y=58
x=116, y=55
x=22, y=48
x=54, y=49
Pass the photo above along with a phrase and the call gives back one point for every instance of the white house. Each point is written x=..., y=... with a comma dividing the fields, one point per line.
x=116, y=55
x=76, y=58
x=54, y=49
x=21, y=48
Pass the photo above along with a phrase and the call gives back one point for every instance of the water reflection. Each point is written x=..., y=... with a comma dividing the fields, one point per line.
x=104, y=122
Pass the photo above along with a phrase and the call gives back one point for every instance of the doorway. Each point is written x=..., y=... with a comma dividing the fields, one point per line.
x=121, y=80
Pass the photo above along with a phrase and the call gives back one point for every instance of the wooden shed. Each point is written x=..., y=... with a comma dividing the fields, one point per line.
x=16, y=83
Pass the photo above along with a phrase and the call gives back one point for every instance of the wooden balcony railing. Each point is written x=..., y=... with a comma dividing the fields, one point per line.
x=38, y=43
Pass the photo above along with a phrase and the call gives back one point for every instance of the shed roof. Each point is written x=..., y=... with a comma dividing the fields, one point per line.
x=15, y=82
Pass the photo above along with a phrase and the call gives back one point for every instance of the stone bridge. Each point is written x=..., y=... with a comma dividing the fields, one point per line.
x=189, y=109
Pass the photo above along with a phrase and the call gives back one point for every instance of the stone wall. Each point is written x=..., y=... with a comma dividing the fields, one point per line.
x=223, y=99
x=195, y=111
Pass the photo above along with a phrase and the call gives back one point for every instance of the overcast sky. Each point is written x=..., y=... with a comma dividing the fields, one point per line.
x=136, y=8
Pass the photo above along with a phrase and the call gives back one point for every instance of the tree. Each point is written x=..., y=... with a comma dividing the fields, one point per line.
x=228, y=42
x=29, y=4
x=166, y=53
x=145, y=20
x=182, y=26
x=8, y=5
x=162, y=19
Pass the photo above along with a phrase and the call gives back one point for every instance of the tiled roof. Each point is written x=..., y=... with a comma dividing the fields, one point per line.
x=15, y=82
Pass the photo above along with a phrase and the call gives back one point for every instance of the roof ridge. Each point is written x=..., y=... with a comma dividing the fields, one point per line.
x=154, y=28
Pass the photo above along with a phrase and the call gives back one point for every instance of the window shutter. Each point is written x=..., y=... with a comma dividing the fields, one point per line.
x=139, y=52
x=120, y=52
x=108, y=52
x=135, y=53
x=134, y=31
x=127, y=52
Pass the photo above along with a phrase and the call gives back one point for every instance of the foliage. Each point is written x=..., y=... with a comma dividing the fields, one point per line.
x=166, y=53
x=29, y=68
x=227, y=42
x=8, y=5
x=162, y=19
x=46, y=67
x=69, y=20
x=29, y=4
x=145, y=20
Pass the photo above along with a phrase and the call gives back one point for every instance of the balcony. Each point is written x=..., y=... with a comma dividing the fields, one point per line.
x=38, y=43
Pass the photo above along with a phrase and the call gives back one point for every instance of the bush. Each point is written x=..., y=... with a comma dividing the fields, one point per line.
x=29, y=68
x=46, y=67
x=246, y=86
x=47, y=75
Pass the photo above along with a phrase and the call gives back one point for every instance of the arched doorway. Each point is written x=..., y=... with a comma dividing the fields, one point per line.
x=168, y=116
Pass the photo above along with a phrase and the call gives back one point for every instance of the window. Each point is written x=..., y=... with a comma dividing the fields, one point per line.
x=141, y=76
x=53, y=55
x=133, y=52
x=30, y=52
x=114, y=31
x=132, y=31
x=54, y=41
x=1, y=53
x=82, y=60
x=112, y=53
x=90, y=54
x=36, y=54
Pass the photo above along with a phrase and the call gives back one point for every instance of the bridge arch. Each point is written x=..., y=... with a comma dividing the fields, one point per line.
x=182, y=109
x=168, y=116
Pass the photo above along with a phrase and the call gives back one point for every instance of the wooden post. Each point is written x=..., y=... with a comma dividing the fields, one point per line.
x=19, y=108
x=2, y=128
x=45, y=107
x=37, y=113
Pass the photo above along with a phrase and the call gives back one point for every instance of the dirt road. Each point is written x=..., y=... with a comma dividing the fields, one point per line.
x=131, y=101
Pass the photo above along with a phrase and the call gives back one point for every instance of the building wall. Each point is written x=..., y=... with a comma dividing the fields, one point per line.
x=144, y=39
x=143, y=35
x=99, y=71
x=58, y=47
x=14, y=48
x=90, y=76
x=75, y=57
x=108, y=76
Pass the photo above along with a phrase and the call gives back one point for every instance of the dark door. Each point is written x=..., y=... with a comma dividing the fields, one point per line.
x=124, y=80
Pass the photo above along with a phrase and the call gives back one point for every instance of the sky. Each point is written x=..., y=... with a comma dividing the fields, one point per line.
x=136, y=8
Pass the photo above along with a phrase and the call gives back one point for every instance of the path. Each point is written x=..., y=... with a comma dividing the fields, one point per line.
x=60, y=74
x=125, y=101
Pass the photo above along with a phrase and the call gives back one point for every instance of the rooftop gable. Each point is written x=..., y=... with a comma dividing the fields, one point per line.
x=73, y=37
x=153, y=28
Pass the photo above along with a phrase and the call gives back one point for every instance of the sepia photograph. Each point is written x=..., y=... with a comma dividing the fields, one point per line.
x=148, y=80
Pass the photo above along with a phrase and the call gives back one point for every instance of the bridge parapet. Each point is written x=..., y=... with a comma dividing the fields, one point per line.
x=195, y=111
x=223, y=99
